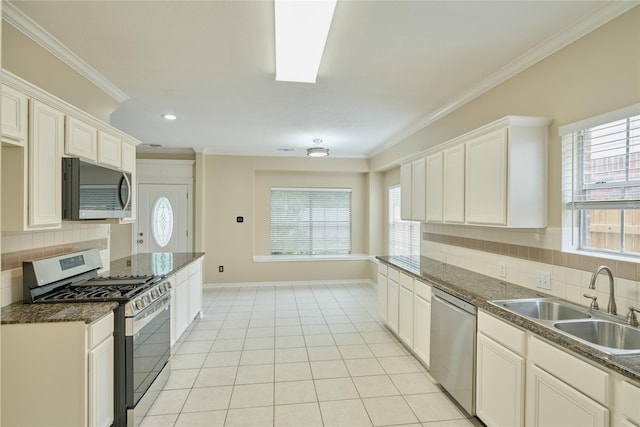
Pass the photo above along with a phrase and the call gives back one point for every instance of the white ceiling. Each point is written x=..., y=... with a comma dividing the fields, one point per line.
x=389, y=67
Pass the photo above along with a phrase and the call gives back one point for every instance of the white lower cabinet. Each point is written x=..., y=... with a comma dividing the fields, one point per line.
x=499, y=384
x=186, y=298
x=62, y=369
x=551, y=402
x=405, y=316
x=422, y=326
x=382, y=296
x=393, y=296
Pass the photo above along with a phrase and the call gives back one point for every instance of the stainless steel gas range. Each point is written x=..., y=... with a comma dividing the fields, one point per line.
x=142, y=323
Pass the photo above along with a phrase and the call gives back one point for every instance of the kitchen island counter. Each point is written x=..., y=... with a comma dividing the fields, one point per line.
x=479, y=289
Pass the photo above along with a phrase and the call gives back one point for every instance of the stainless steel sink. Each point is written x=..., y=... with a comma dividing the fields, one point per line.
x=597, y=329
x=545, y=309
x=603, y=333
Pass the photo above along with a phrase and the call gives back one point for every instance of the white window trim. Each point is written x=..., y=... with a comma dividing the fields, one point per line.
x=307, y=258
x=570, y=240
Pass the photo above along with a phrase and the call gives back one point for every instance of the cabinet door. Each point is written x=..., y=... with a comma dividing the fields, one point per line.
x=101, y=384
x=182, y=308
x=551, y=402
x=46, y=138
x=109, y=150
x=14, y=116
x=453, y=184
x=405, y=316
x=434, y=188
x=392, y=304
x=422, y=328
x=418, y=183
x=499, y=384
x=81, y=140
x=128, y=159
x=405, y=191
x=486, y=179
x=382, y=296
x=195, y=290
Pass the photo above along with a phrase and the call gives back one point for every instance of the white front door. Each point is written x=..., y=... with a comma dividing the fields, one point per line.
x=163, y=223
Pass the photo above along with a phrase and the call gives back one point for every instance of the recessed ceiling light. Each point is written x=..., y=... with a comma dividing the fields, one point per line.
x=302, y=28
x=285, y=149
x=170, y=116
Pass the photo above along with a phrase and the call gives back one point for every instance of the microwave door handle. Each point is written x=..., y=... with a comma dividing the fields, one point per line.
x=124, y=179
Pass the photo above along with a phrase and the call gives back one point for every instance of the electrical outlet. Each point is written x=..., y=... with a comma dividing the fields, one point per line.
x=220, y=269
x=503, y=270
x=543, y=280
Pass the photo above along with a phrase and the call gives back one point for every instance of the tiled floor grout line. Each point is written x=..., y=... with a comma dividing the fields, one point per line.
x=344, y=313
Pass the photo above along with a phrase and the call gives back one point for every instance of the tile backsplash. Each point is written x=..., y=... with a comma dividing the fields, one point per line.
x=570, y=273
x=23, y=246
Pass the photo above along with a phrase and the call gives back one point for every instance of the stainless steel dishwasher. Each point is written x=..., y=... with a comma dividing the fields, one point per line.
x=453, y=347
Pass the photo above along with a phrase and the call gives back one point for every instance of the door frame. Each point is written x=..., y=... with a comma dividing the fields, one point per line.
x=169, y=172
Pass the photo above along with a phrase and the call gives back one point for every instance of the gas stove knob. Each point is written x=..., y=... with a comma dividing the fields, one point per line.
x=155, y=293
x=146, y=299
x=139, y=304
x=168, y=285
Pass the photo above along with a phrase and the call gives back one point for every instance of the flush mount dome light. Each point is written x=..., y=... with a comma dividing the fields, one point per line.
x=170, y=116
x=317, y=151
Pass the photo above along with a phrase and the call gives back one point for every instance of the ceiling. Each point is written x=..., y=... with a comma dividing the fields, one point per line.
x=389, y=67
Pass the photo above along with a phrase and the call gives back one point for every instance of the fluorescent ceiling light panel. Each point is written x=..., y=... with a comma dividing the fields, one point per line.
x=302, y=27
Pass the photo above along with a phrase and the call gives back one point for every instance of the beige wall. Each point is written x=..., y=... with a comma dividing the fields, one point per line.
x=594, y=75
x=25, y=58
x=239, y=186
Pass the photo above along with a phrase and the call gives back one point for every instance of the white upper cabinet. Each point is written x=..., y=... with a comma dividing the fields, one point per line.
x=453, y=184
x=493, y=176
x=14, y=116
x=406, y=178
x=81, y=139
x=434, y=189
x=128, y=157
x=486, y=179
x=418, y=182
x=109, y=150
x=46, y=138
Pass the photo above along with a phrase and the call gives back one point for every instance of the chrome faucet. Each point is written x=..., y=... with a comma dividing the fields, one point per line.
x=611, y=307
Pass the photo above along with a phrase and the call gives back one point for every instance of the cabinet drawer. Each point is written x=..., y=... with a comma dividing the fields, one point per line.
x=100, y=330
x=393, y=274
x=422, y=290
x=382, y=269
x=406, y=281
x=499, y=331
x=630, y=399
x=582, y=376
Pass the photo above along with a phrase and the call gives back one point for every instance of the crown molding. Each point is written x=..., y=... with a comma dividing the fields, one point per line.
x=548, y=47
x=12, y=15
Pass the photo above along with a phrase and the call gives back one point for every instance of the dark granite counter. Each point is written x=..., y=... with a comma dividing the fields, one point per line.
x=163, y=263
x=478, y=289
x=19, y=313
x=157, y=263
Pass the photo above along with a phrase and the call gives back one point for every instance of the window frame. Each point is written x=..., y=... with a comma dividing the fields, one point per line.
x=313, y=250
x=414, y=244
x=576, y=204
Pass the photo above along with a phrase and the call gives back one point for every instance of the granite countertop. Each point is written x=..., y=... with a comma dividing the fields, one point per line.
x=156, y=263
x=19, y=313
x=162, y=263
x=479, y=289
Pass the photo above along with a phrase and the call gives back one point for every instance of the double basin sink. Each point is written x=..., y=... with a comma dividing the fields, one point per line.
x=599, y=330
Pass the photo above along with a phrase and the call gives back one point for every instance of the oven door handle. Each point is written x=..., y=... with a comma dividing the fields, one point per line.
x=142, y=319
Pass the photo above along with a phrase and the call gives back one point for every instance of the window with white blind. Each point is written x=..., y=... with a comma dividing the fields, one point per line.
x=404, y=236
x=310, y=221
x=601, y=181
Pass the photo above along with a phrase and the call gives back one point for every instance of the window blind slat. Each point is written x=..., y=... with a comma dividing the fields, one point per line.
x=310, y=221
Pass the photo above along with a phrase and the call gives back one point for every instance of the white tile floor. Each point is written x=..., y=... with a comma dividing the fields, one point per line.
x=297, y=356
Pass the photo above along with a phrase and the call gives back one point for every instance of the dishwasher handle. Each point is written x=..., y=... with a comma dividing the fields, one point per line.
x=457, y=302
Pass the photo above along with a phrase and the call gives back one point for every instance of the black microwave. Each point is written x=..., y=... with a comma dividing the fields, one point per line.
x=91, y=191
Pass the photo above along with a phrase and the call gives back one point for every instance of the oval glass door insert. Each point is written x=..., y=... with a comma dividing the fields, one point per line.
x=162, y=221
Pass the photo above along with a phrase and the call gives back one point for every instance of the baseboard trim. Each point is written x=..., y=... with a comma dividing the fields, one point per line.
x=293, y=283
